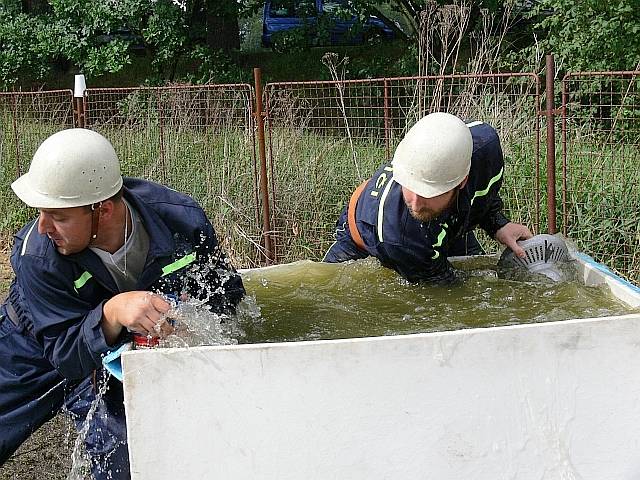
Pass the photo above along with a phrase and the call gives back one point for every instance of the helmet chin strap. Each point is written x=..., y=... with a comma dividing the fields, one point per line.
x=95, y=218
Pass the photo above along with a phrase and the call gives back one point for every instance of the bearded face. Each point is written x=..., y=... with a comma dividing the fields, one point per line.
x=426, y=209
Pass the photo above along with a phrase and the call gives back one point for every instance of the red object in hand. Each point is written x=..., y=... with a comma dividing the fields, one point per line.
x=145, y=341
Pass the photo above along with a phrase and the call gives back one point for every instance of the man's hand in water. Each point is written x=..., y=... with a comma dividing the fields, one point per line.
x=140, y=312
x=510, y=234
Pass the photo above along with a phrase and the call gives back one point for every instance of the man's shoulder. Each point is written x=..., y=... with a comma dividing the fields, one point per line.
x=164, y=209
x=381, y=196
x=487, y=158
x=483, y=135
x=155, y=193
x=164, y=201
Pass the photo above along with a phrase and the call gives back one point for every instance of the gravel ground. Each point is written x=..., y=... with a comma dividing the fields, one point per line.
x=47, y=453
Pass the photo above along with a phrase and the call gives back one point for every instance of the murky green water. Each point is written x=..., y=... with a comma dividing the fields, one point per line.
x=310, y=301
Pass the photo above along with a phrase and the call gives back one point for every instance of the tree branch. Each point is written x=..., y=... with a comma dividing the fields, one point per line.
x=391, y=24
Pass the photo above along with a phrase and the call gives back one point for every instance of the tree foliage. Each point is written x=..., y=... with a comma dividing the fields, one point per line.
x=98, y=36
x=589, y=35
x=40, y=37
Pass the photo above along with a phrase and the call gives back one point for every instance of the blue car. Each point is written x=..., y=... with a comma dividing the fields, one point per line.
x=319, y=22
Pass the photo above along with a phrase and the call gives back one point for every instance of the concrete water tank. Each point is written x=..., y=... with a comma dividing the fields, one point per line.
x=558, y=400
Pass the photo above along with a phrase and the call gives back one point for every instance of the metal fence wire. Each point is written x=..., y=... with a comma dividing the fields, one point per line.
x=26, y=119
x=601, y=166
x=195, y=139
x=324, y=138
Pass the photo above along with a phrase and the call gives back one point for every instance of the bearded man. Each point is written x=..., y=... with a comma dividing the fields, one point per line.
x=412, y=214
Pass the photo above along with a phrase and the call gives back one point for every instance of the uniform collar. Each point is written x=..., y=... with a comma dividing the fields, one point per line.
x=161, y=245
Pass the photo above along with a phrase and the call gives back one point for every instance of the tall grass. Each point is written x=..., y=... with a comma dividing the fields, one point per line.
x=203, y=143
x=603, y=201
x=218, y=170
x=314, y=175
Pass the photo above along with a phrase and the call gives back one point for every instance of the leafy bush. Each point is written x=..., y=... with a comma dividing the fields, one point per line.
x=589, y=35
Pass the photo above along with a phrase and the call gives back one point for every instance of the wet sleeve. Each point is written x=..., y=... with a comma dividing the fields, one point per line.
x=216, y=281
x=426, y=265
x=68, y=328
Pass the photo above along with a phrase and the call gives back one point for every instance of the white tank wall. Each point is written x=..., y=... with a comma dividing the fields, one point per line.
x=549, y=401
x=545, y=401
x=593, y=273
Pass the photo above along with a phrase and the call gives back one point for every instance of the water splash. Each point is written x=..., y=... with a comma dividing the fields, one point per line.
x=196, y=325
x=80, y=460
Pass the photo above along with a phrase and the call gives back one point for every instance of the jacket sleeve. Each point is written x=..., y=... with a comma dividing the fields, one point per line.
x=494, y=219
x=67, y=327
x=418, y=267
x=219, y=285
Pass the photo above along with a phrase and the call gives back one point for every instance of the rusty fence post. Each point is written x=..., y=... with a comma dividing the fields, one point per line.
x=264, y=186
x=538, y=136
x=565, y=98
x=551, y=145
x=78, y=108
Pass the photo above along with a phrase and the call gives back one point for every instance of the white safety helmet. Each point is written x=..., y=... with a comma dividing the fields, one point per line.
x=434, y=156
x=71, y=168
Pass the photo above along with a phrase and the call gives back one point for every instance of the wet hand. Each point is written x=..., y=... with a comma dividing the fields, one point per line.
x=140, y=312
x=510, y=234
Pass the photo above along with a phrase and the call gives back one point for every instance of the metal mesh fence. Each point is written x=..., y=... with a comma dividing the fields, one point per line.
x=326, y=137
x=601, y=167
x=26, y=119
x=195, y=139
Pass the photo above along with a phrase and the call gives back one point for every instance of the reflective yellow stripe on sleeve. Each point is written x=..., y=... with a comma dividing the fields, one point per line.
x=439, y=241
x=482, y=193
x=178, y=264
x=82, y=279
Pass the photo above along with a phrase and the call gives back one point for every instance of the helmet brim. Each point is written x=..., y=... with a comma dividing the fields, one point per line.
x=423, y=187
x=23, y=188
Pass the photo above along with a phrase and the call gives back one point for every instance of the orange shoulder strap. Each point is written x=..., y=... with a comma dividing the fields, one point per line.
x=351, y=214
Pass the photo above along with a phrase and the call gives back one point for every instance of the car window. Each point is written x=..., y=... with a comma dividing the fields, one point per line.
x=292, y=8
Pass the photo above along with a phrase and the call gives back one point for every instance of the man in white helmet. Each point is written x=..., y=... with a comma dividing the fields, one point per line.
x=444, y=181
x=97, y=264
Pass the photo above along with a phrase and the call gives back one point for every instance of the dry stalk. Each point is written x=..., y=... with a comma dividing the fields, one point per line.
x=330, y=60
x=441, y=39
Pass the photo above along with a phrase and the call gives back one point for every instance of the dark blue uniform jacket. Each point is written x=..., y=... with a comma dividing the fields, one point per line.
x=417, y=250
x=53, y=334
